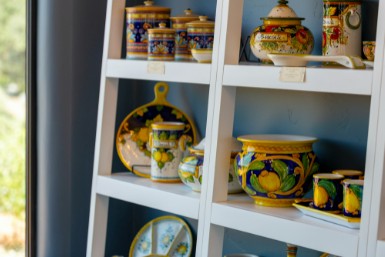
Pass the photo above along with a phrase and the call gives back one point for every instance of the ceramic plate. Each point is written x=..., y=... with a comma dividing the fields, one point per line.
x=337, y=218
x=167, y=236
x=133, y=133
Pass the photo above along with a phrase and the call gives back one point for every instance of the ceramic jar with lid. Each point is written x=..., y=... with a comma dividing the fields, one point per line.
x=281, y=32
x=161, y=43
x=181, y=40
x=201, y=33
x=138, y=20
x=190, y=169
x=341, y=28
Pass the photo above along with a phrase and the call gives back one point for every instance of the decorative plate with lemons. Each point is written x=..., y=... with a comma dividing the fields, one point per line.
x=164, y=236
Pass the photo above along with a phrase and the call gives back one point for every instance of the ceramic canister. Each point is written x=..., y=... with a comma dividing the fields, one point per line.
x=161, y=43
x=281, y=32
x=327, y=191
x=352, y=192
x=341, y=30
x=181, y=41
x=200, y=33
x=138, y=20
x=168, y=144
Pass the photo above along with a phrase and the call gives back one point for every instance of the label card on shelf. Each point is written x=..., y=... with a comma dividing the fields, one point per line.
x=156, y=68
x=292, y=74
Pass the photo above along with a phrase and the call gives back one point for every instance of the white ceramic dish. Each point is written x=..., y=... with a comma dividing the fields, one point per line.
x=336, y=218
x=300, y=60
x=167, y=236
x=202, y=55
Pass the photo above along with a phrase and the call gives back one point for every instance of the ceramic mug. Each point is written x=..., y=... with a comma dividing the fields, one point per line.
x=352, y=201
x=349, y=174
x=369, y=47
x=327, y=191
x=168, y=144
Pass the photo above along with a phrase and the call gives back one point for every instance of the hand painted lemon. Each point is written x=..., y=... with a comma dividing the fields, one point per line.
x=164, y=157
x=143, y=134
x=321, y=196
x=157, y=156
x=352, y=204
x=269, y=181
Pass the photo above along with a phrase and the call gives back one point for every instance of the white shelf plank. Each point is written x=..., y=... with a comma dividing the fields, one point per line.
x=186, y=72
x=317, y=79
x=285, y=224
x=380, y=248
x=176, y=197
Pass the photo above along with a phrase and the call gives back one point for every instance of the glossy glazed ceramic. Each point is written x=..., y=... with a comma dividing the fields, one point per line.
x=161, y=43
x=200, y=33
x=276, y=169
x=202, y=55
x=369, y=49
x=349, y=174
x=352, y=193
x=327, y=191
x=138, y=20
x=281, y=32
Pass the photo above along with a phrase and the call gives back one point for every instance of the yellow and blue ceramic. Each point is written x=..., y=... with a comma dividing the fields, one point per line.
x=161, y=43
x=349, y=174
x=352, y=201
x=281, y=32
x=168, y=144
x=276, y=169
x=191, y=168
x=132, y=139
x=327, y=191
x=200, y=33
x=182, y=52
x=138, y=20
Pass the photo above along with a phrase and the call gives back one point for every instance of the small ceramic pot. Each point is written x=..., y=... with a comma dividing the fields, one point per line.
x=161, y=43
x=276, y=169
x=369, y=48
x=138, y=20
x=200, y=33
x=182, y=52
x=352, y=192
x=191, y=168
x=341, y=29
x=327, y=191
x=168, y=144
x=281, y=32
x=202, y=55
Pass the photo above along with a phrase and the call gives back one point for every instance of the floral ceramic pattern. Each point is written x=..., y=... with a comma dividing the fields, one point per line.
x=289, y=39
x=201, y=41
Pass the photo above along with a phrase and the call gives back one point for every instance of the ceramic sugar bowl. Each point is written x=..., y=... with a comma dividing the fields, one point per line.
x=276, y=169
x=191, y=168
x=281, y=32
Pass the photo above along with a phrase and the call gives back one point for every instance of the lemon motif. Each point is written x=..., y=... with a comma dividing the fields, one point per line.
x=352, y=204
x=157, y=156
x=143, y=134
x=269, y=181
x=321, y=196
x=164, y=157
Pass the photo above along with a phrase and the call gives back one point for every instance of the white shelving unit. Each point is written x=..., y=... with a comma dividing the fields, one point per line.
x=214, y=210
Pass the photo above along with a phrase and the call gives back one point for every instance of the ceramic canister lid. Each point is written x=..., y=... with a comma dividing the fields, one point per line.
x=203, y=22
x=188, y=16
x=282, y=13
x=148, y=7
x=162, y=29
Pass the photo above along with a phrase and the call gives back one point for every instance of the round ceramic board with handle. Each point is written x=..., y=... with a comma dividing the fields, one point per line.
x=133, y=133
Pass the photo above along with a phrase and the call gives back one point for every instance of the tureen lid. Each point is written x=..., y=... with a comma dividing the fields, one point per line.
x=282, y=11
x=148, y=7
x=187, y=16
x=202, y=22
x=162, y=29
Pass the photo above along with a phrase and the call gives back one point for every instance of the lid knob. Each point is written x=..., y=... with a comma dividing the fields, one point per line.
x=203, y=18
x=162, y=25
x=188, y=11
x=283, y=1
x=148, y=3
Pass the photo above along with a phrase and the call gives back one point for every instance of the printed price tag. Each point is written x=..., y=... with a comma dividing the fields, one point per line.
x=292, y=74
x=156, y=68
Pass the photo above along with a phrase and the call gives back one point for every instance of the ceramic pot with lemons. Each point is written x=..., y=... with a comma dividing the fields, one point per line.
x=281, y=32
x=191, y=168
x=276, y=169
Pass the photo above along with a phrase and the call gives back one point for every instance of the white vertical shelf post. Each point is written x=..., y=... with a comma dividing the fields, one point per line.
x=222, y=127
x=97, y=228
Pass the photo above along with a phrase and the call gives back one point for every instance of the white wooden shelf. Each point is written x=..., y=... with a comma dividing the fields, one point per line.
x=131, y=188
x=380, y=248
x=290, y=225
x=172, y=71
x=317, y=79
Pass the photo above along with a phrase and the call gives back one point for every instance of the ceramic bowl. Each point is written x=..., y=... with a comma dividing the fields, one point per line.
x=202, y=55
x=276, y=169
